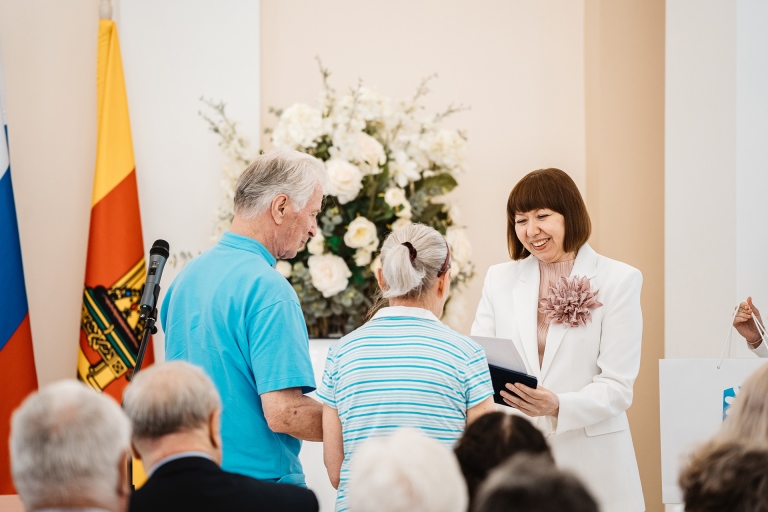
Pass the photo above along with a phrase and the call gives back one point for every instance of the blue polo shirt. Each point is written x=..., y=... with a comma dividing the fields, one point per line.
x=231, y=313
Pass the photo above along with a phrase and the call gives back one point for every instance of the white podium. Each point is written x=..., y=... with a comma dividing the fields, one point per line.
x=694, y=398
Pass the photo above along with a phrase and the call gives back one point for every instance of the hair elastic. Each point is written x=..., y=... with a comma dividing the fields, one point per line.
x=411, y=250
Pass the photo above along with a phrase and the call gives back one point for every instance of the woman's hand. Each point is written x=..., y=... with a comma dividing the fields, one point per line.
x=745, y=324
x=533, y=402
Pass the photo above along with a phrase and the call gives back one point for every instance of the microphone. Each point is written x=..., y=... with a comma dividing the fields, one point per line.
x=158, y=255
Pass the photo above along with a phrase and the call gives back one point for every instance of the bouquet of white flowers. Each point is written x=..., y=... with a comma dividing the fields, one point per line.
x=389, y=165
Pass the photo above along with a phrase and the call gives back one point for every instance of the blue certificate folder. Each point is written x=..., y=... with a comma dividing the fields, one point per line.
x=500, y=377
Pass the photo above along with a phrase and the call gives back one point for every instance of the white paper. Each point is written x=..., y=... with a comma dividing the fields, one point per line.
x=501, y=352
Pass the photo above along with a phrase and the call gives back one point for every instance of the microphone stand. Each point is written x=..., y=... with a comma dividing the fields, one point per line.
x=149, y=317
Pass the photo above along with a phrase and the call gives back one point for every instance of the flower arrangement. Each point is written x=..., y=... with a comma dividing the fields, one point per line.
x=570, y=302
x=389, y=165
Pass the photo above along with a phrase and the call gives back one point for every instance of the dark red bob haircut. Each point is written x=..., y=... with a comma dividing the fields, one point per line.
x=555, y=190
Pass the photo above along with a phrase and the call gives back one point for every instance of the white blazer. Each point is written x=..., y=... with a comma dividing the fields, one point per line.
x=591, y=368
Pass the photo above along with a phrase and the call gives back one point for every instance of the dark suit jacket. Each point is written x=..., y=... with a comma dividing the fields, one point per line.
x=196, y=483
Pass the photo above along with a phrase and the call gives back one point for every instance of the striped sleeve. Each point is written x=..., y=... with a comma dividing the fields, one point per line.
x=477, y=383
x=326, y=391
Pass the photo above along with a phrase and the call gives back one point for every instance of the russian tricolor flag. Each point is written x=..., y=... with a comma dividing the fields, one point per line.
x=17, y=362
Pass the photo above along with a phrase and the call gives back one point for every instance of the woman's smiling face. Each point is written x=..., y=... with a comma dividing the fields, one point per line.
x=542, y=232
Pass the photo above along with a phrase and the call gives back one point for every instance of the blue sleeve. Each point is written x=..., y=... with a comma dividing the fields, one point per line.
x=477, y=383
x=279, y=348
x=326, y=393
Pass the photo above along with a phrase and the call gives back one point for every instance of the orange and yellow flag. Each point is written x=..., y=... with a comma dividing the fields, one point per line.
x=115, y=270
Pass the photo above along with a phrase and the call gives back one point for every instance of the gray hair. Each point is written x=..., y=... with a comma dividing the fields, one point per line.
x=406, y=278
x=169, y=397
x=279, y=171
x=67, y=441
x=407, y=472
x=748, y=416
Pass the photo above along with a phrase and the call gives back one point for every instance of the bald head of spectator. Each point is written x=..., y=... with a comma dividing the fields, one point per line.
x=69, y=449
x=174, y=408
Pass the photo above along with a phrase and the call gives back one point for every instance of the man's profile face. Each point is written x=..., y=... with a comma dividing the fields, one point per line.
x=299, y=225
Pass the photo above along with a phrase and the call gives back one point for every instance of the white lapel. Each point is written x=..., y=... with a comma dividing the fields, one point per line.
x=525, y=293
x=585, y=265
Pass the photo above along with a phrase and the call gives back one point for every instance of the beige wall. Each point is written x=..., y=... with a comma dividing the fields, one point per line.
x=625, y=184
x=49, y=54
x=519, y=65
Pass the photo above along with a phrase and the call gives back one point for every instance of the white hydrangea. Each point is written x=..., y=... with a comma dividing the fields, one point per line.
x=402, y=169
x=329, y=274
x=316, y=244
x=361, y=233
x=299, y=126
x=447, y=148
x=345, y=180
x=284, y=268
x=461, y=249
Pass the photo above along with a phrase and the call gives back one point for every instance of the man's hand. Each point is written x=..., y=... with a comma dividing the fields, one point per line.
x=533, y=402
x=288, y=411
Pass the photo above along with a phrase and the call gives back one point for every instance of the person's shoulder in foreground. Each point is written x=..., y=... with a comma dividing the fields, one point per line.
x=197, y=483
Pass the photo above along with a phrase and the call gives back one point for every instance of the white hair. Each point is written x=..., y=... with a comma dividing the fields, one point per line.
x=279, y=171
x=406, y=277
x=67, y=441
x=407, y=472
x=169, y=397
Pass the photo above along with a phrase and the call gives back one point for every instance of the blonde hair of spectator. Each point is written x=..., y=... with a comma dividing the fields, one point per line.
x=406, y=472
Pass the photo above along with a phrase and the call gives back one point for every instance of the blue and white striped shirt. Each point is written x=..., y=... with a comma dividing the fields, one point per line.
x=404, y=368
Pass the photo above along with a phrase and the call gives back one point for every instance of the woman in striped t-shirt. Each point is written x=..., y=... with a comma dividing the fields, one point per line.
x=403, y=368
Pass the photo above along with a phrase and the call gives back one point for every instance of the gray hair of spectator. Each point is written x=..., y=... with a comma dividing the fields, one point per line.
x=726, y=475
x=67, y=441
x=748, y=416
x=532, y=483
x=169, y=397
x=406, y=472
x=406, y=276
x=279, y=171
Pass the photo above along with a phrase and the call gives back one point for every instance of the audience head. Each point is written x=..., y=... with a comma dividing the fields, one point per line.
x=407, y=472
x=532, y=483
x=490, y=440
x=726, y=475
x=415, y=260
x=69, y=448
x=173, y=407
x=748, y=416
x=552, y=189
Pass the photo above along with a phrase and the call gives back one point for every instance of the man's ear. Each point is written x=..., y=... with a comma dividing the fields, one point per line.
x=278, y=208
x=135, y=451
x=125, y=480
x=214, y=428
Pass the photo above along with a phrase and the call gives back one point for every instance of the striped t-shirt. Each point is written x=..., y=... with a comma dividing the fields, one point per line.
x=404, y=368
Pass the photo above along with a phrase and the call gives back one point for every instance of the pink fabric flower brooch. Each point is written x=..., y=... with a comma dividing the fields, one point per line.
x=570, y=302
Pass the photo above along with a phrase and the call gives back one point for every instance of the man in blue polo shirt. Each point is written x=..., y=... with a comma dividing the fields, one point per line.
x=230, y=312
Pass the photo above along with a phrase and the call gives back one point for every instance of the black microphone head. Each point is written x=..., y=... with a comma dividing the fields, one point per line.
x=160, y=247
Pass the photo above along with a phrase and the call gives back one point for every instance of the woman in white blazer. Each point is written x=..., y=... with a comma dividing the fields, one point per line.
x=583, y=347
x=745, y=324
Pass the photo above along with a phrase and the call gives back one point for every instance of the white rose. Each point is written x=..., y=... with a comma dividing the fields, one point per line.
x=370, y=153
x=395, y=197
x=316, y=244
x=376, y=265
x=447, y=148
x=284, y=268
x=362, y=257
x=461, y=249
x=401, y=223
x=345, y=179
x=361, y=233
x=329, y=274
x=406, y=212
x=299, y=126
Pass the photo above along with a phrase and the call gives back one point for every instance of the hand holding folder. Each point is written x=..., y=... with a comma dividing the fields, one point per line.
x=505, y=365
